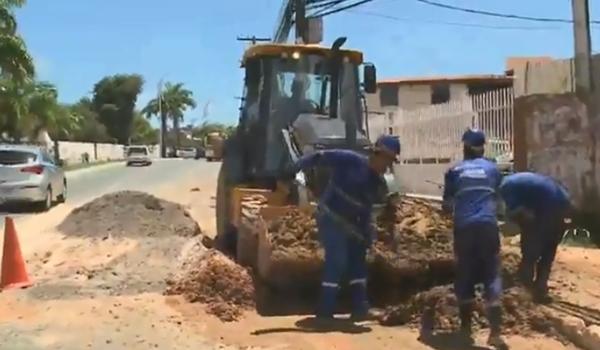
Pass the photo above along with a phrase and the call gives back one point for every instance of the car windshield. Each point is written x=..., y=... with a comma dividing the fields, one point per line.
x=137, y=150
x=14, y=157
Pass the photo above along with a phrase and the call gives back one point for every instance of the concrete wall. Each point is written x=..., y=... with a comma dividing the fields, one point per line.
x=458, y=91
x=414, y=96
x=421, y=178
x=411, y=96
x=72, y=152
x=557, y=137
x=549, y=77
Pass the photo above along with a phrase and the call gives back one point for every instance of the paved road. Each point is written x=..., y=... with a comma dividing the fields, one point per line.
x=85, y=185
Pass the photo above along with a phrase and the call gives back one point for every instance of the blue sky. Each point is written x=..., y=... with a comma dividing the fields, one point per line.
x=77, y=42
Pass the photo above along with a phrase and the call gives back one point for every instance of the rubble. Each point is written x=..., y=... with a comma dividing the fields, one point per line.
x=129, y=214
x=294, y=233
x=413, y=245
x=209, y=277
x=521, y=315
x=411, y=267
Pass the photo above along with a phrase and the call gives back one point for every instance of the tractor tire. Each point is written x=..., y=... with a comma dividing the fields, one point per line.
x=226, y=236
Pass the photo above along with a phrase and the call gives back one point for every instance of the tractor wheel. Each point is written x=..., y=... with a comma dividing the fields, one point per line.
x=226, y=236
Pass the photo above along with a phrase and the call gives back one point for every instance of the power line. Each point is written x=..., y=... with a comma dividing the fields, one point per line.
x=343, y=8
x=497, y=14
x=457, y=24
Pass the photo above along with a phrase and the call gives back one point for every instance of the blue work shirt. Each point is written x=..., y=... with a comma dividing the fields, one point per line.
x=471, y=187
x=536, y=192
x=353, y=187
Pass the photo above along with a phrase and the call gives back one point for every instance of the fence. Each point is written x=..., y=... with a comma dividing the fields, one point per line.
x=432, y=133
x=431, y=136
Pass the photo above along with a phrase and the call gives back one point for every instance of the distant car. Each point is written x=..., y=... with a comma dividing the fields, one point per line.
x=200, y=153
x=186, y=153
x=28, y=174
x=138, y=155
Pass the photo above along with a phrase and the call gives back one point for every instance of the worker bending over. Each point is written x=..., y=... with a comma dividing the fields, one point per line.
x=470, y=193
x=539, y=205
x=344, y=219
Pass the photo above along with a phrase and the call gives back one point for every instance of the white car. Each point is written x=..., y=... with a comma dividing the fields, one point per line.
x=186, y=153
x=138, y=155
x=28, y=174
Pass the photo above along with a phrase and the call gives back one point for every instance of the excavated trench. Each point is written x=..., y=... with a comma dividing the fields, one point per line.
x=410, y=272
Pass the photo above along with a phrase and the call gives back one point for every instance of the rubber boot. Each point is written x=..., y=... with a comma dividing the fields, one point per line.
x=326, y=308
x=465, y=312
x=360, y=305
x=495, y=319
x=540, y=286
x=427, y=324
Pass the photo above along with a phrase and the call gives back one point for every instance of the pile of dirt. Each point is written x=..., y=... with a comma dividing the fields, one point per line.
x=414, y=230
x=209, y=277
x=129, y=214
x=294, y=233
x=521, y=315
x=251, y=206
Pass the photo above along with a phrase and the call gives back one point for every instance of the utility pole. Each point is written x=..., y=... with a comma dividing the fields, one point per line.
x=253, y=39
x=584, y=83
x=301, y=22
x=163, y=122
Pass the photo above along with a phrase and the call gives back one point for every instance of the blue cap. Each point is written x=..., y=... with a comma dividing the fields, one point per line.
x=389, y=144
x=473, y=138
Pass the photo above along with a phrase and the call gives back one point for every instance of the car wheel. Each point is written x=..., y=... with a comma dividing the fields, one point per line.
x=46, y=204
x=63, y=196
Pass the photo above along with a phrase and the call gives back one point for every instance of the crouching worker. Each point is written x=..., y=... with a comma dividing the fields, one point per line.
x=344, y=219
x=470, y=194
x=539, y=205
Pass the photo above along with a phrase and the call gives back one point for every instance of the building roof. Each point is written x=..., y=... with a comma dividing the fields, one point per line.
x=273, y=49
x=474, y=78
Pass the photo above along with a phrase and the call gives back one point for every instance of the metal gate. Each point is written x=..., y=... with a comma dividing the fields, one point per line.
x=431, y=136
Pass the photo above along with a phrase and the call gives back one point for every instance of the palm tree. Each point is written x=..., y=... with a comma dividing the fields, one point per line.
x=32, y=108
x=15, y=60
x=174, y=101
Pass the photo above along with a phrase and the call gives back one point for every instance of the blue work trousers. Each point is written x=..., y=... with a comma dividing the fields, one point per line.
x=345, y=256
x=477, y=254
x=539, y=242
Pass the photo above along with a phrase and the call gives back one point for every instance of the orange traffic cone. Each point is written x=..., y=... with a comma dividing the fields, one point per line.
x=14, y=273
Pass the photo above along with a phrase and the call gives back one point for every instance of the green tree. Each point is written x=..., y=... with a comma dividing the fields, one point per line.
x=15, y=60
x=174, y=101
x=88, y=128
x=32, y=107
x=114, y=100
x=13, y=108
x=143, y=132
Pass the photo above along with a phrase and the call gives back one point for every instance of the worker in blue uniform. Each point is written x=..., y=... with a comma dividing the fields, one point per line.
x=470, y=194
x=539, y=205
x=344, y=219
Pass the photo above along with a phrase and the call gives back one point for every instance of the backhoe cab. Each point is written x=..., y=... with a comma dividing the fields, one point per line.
x=296, y=99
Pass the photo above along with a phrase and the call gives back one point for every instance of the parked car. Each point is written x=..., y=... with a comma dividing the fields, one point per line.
x=28, y=174
x=189, y=152
x=200, y=152
x=138, y=155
